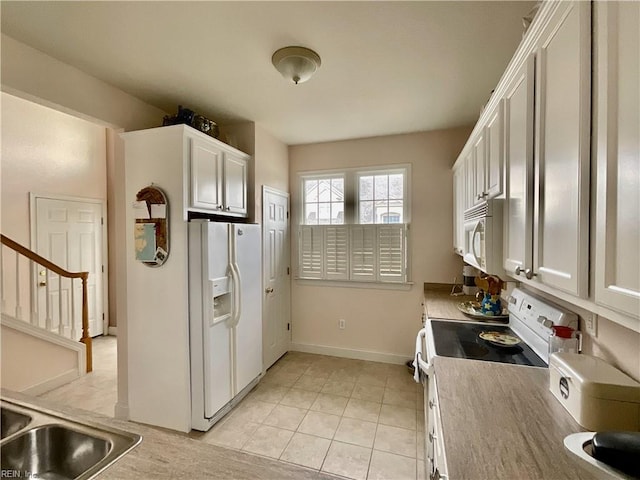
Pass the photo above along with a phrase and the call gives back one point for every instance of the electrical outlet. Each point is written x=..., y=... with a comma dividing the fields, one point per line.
x=341, y=323
x=591, y=324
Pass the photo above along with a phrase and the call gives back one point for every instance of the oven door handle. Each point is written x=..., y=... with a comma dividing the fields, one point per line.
x=420, y=364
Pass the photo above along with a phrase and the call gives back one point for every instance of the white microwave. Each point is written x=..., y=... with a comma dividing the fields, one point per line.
x=483, y=237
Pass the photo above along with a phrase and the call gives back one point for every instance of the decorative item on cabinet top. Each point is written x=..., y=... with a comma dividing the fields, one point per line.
x=151, y=229
x=189, y=117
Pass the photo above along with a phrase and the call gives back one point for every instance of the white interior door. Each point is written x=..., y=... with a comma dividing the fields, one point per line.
x=275, y=270
x=69, y=233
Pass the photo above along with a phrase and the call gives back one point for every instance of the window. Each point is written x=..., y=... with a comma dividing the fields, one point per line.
x=354, y=225
x=323, y=200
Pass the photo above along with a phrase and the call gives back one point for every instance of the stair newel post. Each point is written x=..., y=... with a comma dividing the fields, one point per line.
x=86, y=338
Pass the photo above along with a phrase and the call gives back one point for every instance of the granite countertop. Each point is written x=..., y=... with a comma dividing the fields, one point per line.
x=499, y=421
x=165, y=454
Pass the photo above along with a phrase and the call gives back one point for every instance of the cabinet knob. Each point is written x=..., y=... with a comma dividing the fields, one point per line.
x=518, y=270
x=431, y=404
x=529, y=274
x=432, y=436
x=268, y=290
x=218, y=207
x=228, y=208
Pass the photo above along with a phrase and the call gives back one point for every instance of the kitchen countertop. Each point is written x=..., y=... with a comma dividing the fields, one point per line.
x=440, y=303
x=165, y=454
x=499, y=421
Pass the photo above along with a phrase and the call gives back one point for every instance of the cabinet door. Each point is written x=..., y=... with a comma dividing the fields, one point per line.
x=206, y=175
x=561, y=208
x=617, y=95
x=235, y=183
x=479, y=167
x=518, y=206
x=458, y=207
x=494, y=161
x=469, y=180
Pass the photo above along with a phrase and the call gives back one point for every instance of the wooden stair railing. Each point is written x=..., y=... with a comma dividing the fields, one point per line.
x=86, y=338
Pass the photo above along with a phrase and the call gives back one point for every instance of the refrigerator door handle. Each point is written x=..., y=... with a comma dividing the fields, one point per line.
x=236, y=300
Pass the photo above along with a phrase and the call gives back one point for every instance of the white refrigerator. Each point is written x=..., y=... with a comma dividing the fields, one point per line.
x=225, y=316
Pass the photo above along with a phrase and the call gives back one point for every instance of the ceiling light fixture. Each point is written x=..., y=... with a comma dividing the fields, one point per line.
x=297, y=64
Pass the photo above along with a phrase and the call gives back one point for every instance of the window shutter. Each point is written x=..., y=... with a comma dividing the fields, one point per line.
x=391, y=253
x=311, y=251
x=363, y=249
x=336, y=253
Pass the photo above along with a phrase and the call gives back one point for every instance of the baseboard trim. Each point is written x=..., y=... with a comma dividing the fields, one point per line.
x=350, y=353
x=52, y=383
x=113, y=331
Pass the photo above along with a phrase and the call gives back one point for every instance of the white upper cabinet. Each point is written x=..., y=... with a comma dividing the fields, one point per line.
x=617, y=156
x=562, y=150
x=218, y=177
x=518, y=204
x=206, y=175
x=458, y=206
x=478, y=193
x=235, y=183
x=494, y=135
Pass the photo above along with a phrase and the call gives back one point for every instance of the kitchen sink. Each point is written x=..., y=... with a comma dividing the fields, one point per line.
x=12, y=422
x=40, y=443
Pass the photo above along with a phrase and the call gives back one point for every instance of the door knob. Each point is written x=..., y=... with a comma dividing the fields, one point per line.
x=268, y=290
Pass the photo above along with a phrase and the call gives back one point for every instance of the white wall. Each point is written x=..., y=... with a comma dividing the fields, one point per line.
x=269, y=161
x=272, y=166
x=32, y=75
x=381, y=321
x=44, y=152
x=29, y=362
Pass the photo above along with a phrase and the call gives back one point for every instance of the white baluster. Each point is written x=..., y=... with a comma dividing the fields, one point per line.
x=18, y=306
x=33, y=292
x=48, y=301
x=60, y=319
x=73, y=311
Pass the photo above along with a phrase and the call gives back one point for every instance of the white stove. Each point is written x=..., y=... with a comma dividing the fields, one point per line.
x=530, y=321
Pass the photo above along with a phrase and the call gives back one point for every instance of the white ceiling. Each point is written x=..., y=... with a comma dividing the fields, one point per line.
x=387, y=67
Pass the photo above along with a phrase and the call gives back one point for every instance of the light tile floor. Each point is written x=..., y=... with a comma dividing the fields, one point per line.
x=353, y=418
x=96, y=391
x=357, y=419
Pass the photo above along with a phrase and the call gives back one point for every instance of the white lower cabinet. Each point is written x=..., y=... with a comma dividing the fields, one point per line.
x=617, y=156
x=435, y=460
